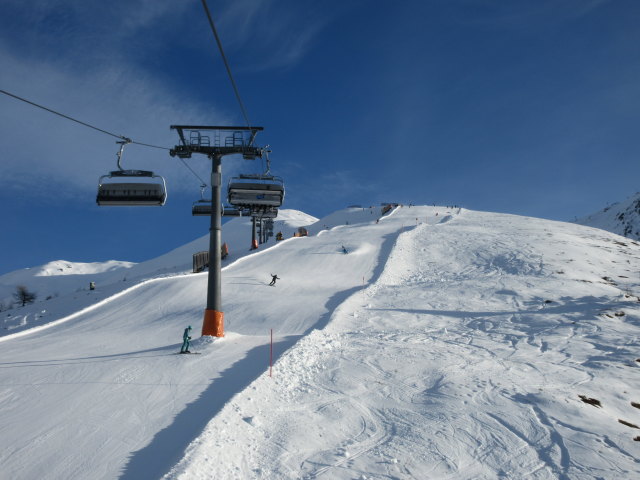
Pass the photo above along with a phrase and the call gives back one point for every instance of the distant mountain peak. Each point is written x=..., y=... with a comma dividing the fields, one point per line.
x=622, y=218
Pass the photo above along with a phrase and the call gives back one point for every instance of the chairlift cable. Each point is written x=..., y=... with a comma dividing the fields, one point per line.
x=226, y=64
x=122, y=137
x=202, y=182
x=149, y=145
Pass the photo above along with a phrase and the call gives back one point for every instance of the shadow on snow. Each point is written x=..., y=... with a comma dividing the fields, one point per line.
x=338, y=298
x=168, y=445
x=161, y=352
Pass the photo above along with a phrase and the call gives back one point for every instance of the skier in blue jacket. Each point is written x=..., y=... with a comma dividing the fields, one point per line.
x=186, y=337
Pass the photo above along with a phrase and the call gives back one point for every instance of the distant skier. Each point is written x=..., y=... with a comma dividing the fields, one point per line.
x=344, y=250
x=185, y=340
x=273, y=279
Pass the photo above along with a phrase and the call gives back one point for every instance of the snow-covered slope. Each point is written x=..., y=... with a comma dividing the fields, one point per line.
x=622, y=218
x=63, y=287
x=445, y=344
x=469, y=357
x=113, y=397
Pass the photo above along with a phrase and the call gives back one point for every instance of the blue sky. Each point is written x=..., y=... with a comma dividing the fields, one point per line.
x=526, y=107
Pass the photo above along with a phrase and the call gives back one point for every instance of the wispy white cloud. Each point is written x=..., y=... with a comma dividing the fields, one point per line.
x=119, y=18
x=82, y=59
x=40, y=149
x=75, y=57
x=273, y=34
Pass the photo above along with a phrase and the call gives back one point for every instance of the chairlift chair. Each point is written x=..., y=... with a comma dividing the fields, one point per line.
x=264, y=213
x=127, y=188
x=256, y=191
x=123, y=193
x=234, y=212
x=202, y=208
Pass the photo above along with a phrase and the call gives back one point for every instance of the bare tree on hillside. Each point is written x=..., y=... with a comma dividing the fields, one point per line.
x=24, y=295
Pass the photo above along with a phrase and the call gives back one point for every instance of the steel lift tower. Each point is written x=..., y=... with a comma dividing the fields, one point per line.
x=240, y=141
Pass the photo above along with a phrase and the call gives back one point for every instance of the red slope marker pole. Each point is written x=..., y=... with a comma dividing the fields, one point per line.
x=271, y=353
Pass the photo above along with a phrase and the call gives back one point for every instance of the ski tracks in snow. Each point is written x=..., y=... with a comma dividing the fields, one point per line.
x=464, y=360
x=498, y=356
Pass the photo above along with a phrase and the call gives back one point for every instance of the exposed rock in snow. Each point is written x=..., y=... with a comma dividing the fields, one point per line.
x=622, y=218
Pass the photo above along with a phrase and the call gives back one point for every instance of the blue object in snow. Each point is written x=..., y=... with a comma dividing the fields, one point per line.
x=185, y=340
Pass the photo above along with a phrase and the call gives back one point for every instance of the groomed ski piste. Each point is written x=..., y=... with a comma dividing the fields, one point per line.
x=446, y=344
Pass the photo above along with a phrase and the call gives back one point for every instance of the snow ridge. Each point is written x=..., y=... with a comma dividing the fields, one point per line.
x=466, y=358
x=62, y=287
x=622, y=218
x=444, y=344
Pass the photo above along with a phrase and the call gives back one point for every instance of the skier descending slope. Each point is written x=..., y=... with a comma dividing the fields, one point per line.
x=185, y=340
x=273, y=279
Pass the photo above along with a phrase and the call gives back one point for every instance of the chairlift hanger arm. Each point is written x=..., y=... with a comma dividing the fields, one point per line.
x=123, y=142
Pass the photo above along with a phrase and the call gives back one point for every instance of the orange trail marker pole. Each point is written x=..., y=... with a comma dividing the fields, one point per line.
x=271, y=353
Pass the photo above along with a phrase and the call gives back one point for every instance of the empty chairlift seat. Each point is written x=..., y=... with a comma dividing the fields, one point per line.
x=264, y=212
x=118, y=189
x=201, y=209
x=256, y=191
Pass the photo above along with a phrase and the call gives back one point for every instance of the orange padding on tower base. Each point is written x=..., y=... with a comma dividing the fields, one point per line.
x=213, y=323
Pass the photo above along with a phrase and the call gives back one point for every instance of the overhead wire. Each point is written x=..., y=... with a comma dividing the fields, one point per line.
x=122, y=137
x=202, y=182
x=226, y=64
x=63, y=115
x=127, y=139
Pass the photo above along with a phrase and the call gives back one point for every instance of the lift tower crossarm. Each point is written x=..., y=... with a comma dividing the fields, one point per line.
x=185, y=151
x=215, y=127
x=213, y=324
x=246, y=149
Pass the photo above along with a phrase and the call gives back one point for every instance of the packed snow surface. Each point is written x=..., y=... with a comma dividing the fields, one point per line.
x=444, y=344
x=69, y=292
